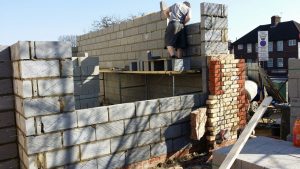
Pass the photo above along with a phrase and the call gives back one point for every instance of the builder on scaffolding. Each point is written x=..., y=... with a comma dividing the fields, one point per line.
x=175, y=38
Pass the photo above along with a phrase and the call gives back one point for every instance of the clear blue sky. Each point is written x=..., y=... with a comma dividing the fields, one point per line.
x=46, y=20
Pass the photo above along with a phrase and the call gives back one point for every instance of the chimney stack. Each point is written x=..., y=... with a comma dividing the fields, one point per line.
x=275, y=20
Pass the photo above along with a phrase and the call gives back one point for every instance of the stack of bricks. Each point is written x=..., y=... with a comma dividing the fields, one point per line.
x=226, y=99
x=242, y=98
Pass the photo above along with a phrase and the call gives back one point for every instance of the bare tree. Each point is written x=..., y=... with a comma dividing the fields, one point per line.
x=68, y=38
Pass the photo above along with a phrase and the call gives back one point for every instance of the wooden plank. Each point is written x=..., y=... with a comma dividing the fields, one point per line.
x=238, y=146
x=151, y=72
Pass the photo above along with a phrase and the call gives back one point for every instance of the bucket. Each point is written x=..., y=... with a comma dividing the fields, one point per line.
x=296, y=133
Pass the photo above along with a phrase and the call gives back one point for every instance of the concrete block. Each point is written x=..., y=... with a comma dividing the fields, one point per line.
x=208, y=22
x=83, y=165
x=192, y=101
x=59, y=122
x=121, y=111
x=295, y=102
x=16, y=68
x=39, y=106
x=8, y=151
x=39, y=68
x=181, y=64
x=8, y=135
x=192, y=29
x=211, y=48
x=11, y=164
x=211, y=35
x=30, y=161
x=62, y=157
x=46, y=142
x=66, y=67
x=111, y=161
x=4, y=53
x=181, y=116
x=212, y=9
x=162, y=148
x=123, y=143
x=20, y=51
x=6, y=103
x=294, y=74
x=137, y=154
x=109, y=130
x=68, y=103
x=6, y=86
x=294, y=64
x=194, y=40
x=55, y=87
x=6, y=69
x=7, y=119
x=23, y=88
x=94, y=149
x=293, y=88
x=160, y=120
x=136, y=124
x=171, y=131
x=78, y=136
x=92, y=116
x=148, y=137
x=52, y=50
x=26, y=125
x=169, y=104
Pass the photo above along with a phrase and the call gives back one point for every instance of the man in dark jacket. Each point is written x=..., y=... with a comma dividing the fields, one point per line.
x=175, y=39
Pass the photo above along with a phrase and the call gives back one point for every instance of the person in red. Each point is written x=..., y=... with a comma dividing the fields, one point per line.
x=175, y=38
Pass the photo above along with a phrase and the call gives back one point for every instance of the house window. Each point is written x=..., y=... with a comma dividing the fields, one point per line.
x=249, y=48
x=270, y=46
x=270, y=62
x=292, y=42
x=279, y=62
x=279, y=45
x=249, y=60
x=240, y=47
x=256, y=47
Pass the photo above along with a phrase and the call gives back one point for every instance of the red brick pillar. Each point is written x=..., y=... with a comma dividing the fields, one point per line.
x=242, y=98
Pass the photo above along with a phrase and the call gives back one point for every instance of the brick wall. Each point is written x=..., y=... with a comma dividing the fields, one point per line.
x=8, y=133
x=129, y=41
x=227, y=100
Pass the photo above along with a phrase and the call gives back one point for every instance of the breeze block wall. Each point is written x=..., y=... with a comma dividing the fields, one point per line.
x=8, y=132
x=44, y=99
x=227, y=100
x=120, y=44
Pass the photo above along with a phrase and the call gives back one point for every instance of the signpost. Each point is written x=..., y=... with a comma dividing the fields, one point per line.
x=263, y=48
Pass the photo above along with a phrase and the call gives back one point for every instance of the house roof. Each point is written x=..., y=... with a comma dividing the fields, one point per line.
x=282, y=31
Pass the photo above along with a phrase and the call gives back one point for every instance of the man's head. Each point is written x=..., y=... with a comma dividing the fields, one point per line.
x=187, y=3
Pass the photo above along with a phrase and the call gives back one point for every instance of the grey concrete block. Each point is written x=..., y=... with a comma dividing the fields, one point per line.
x=92, y=116
x=212, y=35
x=208, y=22
x=6, y=86
x=109, y=130
x=62, y=157
x=211, y=48
x=6, y=69
x=26, y=125
x=95, y=149
x=111, y=161
x=55, y=87
x=162, y=148
x=39, y=68
x=137, y=154
x=295, y=102
x=20, y=51
x=181, y=143
x=6, y=103
x=66, y=67
x=193, y=28
x=8, y=151
x=171, y=131
x=59, y=122
x=121, y=111
x=212, y=9
x=160, y=120
x=169, y=104
x=148, y=137
x=7, y=119
x=181, y=64
x=39, y=106
x=36, y=144
x=51, y=50
x=123, y=143
x=83, y=165
x=192, y=101
x=11, y=164
x=181, y=115
x=23, y=88
x=294, y=74
x=78, y=136
x=4, y=53
x=68, y=103
x=294, y=64
x=8, y=135
x=137, y=124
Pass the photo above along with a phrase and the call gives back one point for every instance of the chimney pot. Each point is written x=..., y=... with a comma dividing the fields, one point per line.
x=275, y=20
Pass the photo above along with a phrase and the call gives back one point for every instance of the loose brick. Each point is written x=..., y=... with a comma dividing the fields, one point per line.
x=121, y=111
x=78, y=136
x=39, y=68
x=94, y=149
x=55, y=87
x=62, y=157
x=59, y=122
x=108, y=130
x=92, y=116
x=36, y=144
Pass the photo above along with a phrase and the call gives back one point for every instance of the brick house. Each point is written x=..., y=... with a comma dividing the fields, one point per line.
x=284, y=43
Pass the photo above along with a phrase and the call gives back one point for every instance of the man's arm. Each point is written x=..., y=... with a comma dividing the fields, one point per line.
x=188, y=17
x=167, y=12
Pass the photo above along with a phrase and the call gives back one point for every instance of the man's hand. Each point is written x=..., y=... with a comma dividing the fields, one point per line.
x=167, y=12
